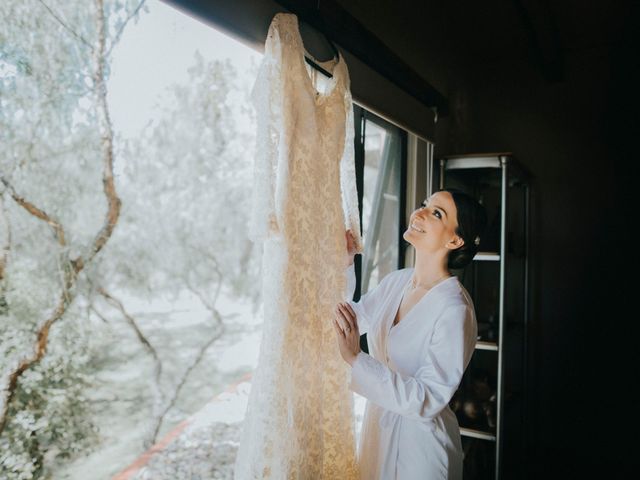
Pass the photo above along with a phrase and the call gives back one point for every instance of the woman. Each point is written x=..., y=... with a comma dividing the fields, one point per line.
x=421, y=332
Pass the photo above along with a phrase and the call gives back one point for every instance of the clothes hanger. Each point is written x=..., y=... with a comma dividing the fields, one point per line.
x=333, y=47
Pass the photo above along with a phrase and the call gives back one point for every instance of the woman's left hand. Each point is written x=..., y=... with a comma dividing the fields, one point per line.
x=346, y=326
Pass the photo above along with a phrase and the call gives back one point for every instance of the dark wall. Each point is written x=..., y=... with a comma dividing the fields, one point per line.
x=557, y=131
x=552, y=85
x=568, y=133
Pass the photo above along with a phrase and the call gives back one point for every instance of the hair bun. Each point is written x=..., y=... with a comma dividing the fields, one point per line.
x=462, y=256
x=472, y=221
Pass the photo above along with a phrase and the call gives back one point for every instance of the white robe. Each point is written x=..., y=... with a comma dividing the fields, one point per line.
x=413, y=370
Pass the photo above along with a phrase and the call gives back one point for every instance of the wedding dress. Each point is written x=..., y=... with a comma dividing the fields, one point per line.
x=299, y=421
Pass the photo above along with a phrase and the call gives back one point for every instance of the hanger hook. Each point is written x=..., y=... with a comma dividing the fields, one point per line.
x=435, y=113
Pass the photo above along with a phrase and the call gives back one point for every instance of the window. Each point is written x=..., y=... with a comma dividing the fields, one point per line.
x=163, y=318
x=382, y=155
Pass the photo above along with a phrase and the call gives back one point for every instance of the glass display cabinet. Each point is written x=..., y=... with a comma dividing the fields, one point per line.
x=491, y=401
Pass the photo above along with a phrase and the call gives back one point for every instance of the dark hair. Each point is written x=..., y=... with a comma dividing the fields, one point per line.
x=472, y=221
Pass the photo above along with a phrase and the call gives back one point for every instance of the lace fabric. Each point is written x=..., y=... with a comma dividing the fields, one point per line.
x=299, y=421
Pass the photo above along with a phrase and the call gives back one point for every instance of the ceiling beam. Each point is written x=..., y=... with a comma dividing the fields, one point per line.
x=340, y=26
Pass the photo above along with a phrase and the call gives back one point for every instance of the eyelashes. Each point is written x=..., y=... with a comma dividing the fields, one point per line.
x=435, y=212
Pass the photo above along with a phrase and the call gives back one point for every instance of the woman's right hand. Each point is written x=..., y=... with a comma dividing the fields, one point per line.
x=351, y=247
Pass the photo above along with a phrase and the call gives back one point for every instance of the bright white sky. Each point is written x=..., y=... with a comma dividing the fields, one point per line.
x=155, y=53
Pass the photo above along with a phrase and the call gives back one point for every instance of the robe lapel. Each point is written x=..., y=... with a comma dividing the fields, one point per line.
x=385, y=323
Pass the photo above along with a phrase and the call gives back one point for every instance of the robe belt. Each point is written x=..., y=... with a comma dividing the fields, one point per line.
x=390, y=419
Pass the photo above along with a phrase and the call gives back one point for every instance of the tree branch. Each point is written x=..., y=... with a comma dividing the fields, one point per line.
x=133, y=324
x=116, y=39
x=106, y=142
x=100, y=316
x=69, y=29
x=73, y=266
x=36, y=212
x=159, y=395
x=203, y=349
x=5, y=245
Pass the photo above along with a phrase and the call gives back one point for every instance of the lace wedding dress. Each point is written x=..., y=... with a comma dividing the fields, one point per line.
x=299, y=420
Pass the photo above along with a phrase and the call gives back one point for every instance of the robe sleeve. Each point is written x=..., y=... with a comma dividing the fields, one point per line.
x=348, y=176
x=424, y=394
x=369, y=302
x=267, y=98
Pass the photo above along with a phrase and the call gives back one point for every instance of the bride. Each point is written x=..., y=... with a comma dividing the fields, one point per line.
x=421, y=332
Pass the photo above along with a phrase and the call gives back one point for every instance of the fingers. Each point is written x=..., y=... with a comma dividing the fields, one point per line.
x=341, y=321
x=348, y=316
x=337, y=327
x=353, y=313
x=349, y=245
x=348, y=311
x=350, y=236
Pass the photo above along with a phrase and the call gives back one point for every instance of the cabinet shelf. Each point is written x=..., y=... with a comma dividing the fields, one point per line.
x=483, y=345
x=487, y=167
x=487, y=256
x=470, y=432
